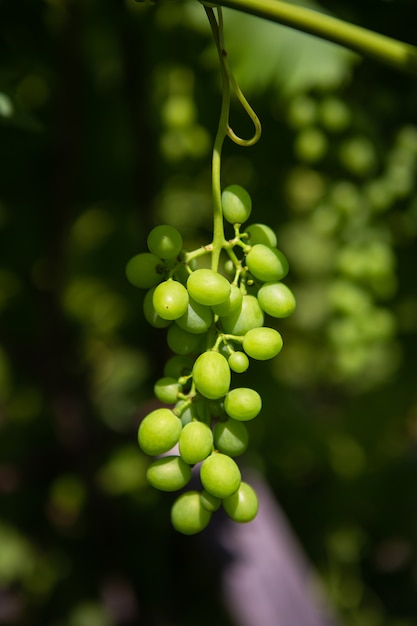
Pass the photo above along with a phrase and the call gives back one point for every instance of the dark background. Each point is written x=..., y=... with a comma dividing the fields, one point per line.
x=107, y=116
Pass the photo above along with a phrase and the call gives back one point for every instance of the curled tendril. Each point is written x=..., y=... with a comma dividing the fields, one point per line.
x=218, y=34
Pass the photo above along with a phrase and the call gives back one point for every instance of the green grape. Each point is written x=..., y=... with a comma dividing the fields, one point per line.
x=302, y=111
x=233, y=302
x=159, y=431
x=242, y=403
x=236, y=204
x=220, y=475
x=187, y=415
x=208, y=287
x=197, y=318
x=262, y=343
x=276, y=299
x=358, y=156
x=169, y=473
x=166, y=390
x=229, y=267
x=211, y=375
x=249, y=315
x=311, y=144
x=178, y=366
x=261, y=233
x=145, y=270
x=150, y=314
x=188, y=515
x=170, y=299
x=210, y=502
x=165, y=242
x=195, y=442
x=182, y=342
x=266, y=263
x=231, y=437
x=238, y=362
x=334, y=114
x=242, y=506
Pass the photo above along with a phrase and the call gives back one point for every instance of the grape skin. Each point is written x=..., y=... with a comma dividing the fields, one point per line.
x=197, y=318
x=169, y=473
x=188, y=515
x=166, y=390
x=243, y=404
x=276, y=299
x=170, y=299
x=195, y=442
x=262, y=343
x=159, y=431
x=165, y=241
x=211, y=375
x=231, y=437
x=144, y=270
x=208, y=287
x=242, y=506
x=261, y=233
x=266, y=263
x=238, y=362
x=248, y=316
x=236, y=204
x=220, y=475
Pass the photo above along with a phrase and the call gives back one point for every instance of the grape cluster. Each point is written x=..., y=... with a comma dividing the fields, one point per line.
x=215, y=324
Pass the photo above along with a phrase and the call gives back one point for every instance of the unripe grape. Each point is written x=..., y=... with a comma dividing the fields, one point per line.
x=231, y=304
x=243, y=505
x=242, y=403
x=276, y=299
x=236, y=204
x=197, y=319
x=334, y=114
x=166, y=390
x=144, y=270
x=210, y=502
x=262, y=343
x=159, y=431
x=220, y=475
x=211, y=375
x=165, y=242
x=169, y=473
x=208, y=287
x=150, y=314
x=229, y=267
x=266, y=263
x=178, y=366
x=188, y=414
x=195, y=442
x=170, y=299
x=248, y=315
x=261, y=233
x=311, y=144
x=231, y=437
x=238, y=362
x=182, y=342
x=188, y=515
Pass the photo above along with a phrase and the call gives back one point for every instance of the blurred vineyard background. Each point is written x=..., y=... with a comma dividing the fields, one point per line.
x=107, y=116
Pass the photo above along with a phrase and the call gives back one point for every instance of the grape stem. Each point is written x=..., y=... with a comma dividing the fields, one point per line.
x=224, y=130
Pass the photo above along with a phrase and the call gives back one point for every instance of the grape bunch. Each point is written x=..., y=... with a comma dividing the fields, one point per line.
x=215, y=324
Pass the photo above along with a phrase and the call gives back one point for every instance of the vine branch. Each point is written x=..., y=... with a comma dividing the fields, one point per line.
x=400, y=55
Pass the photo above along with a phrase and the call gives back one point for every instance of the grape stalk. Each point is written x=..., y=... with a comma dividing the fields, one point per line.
x=213, y=302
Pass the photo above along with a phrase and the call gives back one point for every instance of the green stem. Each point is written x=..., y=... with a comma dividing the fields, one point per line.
x=222, y=130
x=400, y=55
